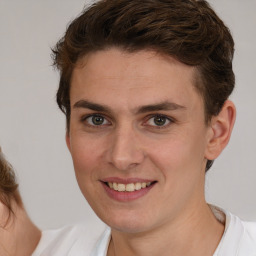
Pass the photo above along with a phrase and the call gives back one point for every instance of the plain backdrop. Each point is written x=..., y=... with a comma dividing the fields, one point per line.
x=32, y=129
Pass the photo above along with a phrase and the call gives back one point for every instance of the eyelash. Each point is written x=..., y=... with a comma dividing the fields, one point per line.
x=168, y=119
x=84, y=119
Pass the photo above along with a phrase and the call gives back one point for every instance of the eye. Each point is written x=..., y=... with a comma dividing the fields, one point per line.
x=96, y=120
x=159, y=121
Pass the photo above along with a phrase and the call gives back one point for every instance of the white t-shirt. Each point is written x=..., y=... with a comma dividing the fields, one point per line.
x=239, y=239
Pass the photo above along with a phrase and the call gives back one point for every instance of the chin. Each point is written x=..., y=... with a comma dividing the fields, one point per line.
x=129, y=227
x=127, y=223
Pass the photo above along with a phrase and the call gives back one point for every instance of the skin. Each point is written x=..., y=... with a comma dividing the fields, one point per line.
x=130, y=92
x=19, y=236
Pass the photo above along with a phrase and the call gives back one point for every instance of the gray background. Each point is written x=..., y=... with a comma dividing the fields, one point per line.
x=32, y=129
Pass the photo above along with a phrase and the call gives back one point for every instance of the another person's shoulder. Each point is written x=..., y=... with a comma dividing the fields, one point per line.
x=78, y=239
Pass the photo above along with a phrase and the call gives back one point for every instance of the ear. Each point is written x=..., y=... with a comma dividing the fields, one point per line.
x=68, y=141
x=220, y=130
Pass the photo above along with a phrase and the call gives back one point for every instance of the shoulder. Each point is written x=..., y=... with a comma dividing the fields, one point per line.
x=69, y=240
x=249, y=237
x=250, y=227
x=241, y=236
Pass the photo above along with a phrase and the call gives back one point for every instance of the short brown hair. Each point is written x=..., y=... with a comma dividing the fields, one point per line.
x=188, y=30
x=8, y=184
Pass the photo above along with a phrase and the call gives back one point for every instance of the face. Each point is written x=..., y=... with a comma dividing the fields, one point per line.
x=138, y=138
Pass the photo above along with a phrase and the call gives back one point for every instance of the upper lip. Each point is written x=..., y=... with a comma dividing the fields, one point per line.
x=126, y=180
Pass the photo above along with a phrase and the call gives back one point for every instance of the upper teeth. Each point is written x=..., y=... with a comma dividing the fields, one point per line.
x=128, y=187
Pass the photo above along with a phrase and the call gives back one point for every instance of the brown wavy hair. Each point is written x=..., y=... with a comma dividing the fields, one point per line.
x=8, y=184
x=188, y=30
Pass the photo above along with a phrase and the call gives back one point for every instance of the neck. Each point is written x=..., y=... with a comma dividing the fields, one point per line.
x=195, y=234
x=18, y=235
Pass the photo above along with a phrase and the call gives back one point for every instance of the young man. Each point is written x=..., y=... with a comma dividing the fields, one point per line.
x=145, y=86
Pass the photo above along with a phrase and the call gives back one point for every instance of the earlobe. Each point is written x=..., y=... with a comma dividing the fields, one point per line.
x=220, y=130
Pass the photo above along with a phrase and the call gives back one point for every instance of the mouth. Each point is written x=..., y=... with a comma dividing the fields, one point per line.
x=130, y=187
x=127, y=190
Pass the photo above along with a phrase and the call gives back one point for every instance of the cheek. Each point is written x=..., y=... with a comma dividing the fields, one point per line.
x=85, y=154
x=170, y=153
x=86, y=165
x=181, y=166
x=179, y=155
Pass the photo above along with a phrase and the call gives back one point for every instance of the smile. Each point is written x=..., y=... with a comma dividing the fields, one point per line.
x=131, y=187
x=127, y=190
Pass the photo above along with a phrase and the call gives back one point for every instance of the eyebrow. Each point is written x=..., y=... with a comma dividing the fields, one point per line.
x=166, y=105
x=92, y=106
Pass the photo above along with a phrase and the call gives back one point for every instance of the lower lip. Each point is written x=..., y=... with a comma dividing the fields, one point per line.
x=126, y=196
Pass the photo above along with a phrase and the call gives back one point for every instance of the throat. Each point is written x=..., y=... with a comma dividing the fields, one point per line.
x=200, y=239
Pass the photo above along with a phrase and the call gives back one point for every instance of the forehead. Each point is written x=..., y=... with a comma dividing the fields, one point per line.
x=132, y=76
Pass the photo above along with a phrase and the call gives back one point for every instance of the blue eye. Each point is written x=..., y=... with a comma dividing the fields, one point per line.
x=159, y=121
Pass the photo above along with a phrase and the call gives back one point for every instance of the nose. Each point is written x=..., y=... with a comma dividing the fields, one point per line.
x=125, y=151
